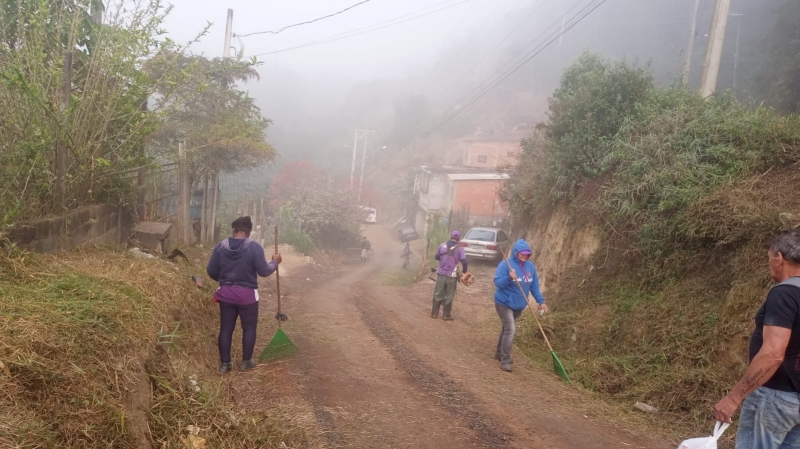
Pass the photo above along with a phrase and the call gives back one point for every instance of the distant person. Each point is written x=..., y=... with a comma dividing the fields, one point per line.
x=406, y=254
x=449, y=255
x=365, y=247
x=770, y=415
x=508, y=299
x=236, y=263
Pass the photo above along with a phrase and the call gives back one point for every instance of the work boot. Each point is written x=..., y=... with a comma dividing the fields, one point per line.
x=506, y=367
x=435, y=309
x=446, y=314
x=225, y=368
x=247, y=365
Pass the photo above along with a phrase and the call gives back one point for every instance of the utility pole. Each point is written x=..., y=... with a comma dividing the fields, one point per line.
x=736, y=52
x=363, y=168
x=211, y=226
x=716, y=40
x=690, y=46
x=353, y=166
x=61, y=159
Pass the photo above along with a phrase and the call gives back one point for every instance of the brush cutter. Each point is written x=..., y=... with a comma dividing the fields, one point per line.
x=557, y=366
x=280, y=346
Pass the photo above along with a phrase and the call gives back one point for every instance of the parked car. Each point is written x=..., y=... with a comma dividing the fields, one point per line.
x=369, y=214
x=485, y=243
x=407, y=233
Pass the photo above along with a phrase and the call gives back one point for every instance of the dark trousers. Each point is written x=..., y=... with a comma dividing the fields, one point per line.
x=248, y=315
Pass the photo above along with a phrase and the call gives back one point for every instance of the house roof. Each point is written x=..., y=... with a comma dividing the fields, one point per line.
x=478, y=177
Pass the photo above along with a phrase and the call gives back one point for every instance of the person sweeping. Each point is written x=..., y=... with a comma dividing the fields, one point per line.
x=509, y=300
x=236, y=263
x=449, y=255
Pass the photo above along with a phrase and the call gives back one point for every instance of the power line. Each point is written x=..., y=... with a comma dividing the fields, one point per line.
x=553, y=38
x=460, y=22
x=368, y=29
x=305, y=23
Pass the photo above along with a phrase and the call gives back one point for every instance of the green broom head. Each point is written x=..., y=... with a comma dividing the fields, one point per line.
x=279, y=348
x=559, y=368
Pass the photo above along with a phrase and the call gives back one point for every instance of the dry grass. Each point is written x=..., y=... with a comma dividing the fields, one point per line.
x=96, y=351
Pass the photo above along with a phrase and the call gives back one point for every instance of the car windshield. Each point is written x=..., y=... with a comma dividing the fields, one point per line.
x=480, y=235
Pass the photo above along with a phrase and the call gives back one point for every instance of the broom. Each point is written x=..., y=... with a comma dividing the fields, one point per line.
x=280, y=346
x=557, y=366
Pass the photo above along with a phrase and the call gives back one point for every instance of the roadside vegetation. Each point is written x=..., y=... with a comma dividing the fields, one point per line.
x=685, y=192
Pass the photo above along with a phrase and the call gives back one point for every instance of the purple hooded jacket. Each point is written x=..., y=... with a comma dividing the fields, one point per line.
x=236, y=265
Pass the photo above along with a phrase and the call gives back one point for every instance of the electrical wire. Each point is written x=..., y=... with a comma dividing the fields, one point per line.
x=367, y=29
x=460, y=22
x=305, y=23
x=553, y=38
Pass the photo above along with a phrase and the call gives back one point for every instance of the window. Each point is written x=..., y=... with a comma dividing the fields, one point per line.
x=480, y=235
x=482, y=158
x=501, y=236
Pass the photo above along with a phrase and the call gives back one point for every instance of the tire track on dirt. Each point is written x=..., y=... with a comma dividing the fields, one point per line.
x=445, y=392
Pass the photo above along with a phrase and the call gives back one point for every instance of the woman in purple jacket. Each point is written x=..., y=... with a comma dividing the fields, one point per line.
x=236, y=264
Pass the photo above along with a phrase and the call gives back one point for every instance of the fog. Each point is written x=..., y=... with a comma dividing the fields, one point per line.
x=406, y=79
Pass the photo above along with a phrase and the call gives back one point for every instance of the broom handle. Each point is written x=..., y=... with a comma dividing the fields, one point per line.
x=278, y=278
x=535, y=316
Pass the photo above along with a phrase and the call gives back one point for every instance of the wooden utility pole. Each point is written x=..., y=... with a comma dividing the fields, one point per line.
x=61, y=159
x=184, y=197
x=716, y=40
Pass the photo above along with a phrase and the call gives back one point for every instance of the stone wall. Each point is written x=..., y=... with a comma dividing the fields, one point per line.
x=102, y=224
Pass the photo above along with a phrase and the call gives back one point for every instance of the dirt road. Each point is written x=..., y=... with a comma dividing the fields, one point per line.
x=380, y=373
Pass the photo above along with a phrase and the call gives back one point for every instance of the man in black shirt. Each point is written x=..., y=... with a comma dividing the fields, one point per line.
x=770, y=388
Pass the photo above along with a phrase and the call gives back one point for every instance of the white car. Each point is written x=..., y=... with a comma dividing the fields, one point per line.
x=370, y=215
x=485, y=243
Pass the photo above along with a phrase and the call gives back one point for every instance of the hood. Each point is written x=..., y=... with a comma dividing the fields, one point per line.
x=235, y=248
x=519, y=246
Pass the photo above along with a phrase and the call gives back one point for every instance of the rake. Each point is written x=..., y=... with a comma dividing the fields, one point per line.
x=280, y=346
x=557, y=366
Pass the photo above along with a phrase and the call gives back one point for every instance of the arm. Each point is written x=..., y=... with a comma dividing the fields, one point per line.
x=213, y=266
x=501, y=276
x=535, y=290
x=763, y=366
x=263, y=268
x=463, y=260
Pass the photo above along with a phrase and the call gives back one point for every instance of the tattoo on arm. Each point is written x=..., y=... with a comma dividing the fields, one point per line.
x=751, y=381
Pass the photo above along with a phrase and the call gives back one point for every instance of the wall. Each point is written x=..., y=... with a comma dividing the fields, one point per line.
x=496, y=153
x=433, y=200
x=559, y=245
x=102, y=224
x=480, y=195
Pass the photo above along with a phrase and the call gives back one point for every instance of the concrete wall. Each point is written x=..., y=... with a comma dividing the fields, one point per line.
x=491, y=154
x=102, y=224
x=480, y=195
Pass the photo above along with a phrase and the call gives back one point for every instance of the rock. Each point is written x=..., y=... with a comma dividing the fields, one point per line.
x=641, y=406
x=141, y=255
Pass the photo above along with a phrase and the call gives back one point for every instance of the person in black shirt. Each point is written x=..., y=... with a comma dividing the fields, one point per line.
x=770, y=388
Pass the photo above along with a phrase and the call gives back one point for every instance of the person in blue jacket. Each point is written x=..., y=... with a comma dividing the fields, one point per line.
x=508, y=300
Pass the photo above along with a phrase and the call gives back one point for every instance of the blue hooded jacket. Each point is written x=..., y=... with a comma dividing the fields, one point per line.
x=507, y=292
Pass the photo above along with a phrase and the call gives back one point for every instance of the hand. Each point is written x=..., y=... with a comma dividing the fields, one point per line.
x=513, y=275
x=725, y=409
x=277, y=258
x=543, y=308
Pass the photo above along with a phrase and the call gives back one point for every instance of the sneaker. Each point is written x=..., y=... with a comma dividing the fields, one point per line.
x=447, y=318
x=247, y=365
x=225, y=368
x=505, y=367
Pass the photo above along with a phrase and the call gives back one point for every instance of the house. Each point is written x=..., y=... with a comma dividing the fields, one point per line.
x=490, y=153
x=474, y=199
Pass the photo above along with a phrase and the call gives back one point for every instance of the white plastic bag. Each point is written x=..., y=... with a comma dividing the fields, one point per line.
x=708, y=442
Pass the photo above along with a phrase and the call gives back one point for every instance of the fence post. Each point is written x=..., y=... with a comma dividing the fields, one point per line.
x=61, y=159
x=141, y=197
x=204, y=211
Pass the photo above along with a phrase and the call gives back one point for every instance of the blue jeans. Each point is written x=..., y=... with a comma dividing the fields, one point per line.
x=770, y=419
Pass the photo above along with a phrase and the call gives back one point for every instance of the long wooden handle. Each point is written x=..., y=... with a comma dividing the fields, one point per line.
x=278, y=279
x=524, y=295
